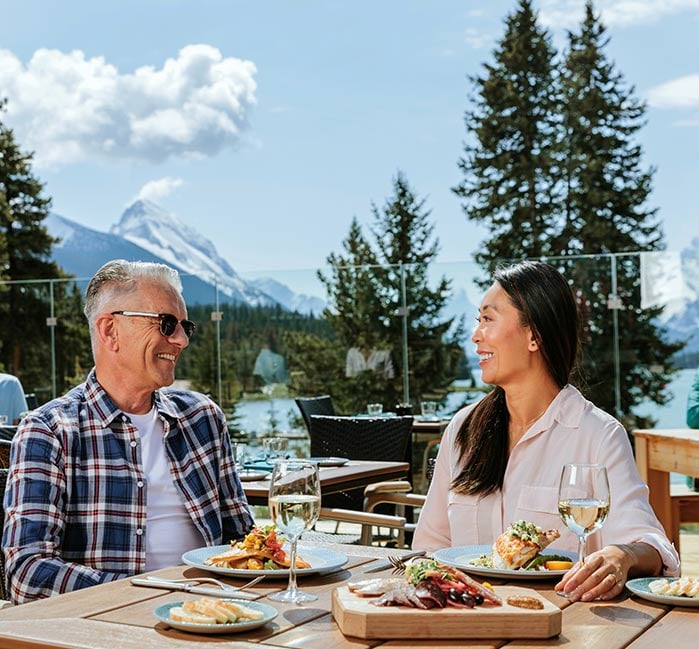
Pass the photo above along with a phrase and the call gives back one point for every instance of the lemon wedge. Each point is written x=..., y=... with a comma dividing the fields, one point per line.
x=558, y=565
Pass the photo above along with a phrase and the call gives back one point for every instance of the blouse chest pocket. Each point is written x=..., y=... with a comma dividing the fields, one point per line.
x=539, y=505
x=463, y=514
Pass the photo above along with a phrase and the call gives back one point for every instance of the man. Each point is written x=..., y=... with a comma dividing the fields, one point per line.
x=13, y=403
x=120, y=476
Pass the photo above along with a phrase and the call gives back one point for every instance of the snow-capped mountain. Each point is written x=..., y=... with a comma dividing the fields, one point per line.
x=161, y=233
x=684, y=323
x=287, y=298
x=82, y=250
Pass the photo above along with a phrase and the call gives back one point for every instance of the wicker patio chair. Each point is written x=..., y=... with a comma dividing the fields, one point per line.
x=4, y=454
x=387, y=439
x=314, y=406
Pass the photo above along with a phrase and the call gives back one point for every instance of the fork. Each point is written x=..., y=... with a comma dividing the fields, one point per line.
x=210, y=580
x=398, y=562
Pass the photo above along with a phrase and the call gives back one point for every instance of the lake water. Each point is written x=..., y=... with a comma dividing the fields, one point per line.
x=254, y=416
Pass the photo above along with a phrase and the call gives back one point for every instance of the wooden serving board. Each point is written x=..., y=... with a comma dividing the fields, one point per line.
x=357, y=616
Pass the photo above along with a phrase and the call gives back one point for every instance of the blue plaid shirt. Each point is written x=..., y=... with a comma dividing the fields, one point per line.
x=75, y=503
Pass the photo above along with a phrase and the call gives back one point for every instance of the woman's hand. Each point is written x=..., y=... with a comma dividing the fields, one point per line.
x=602, y=576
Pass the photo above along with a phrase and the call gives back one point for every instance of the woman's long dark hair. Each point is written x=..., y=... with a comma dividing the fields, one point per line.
x=546, y=304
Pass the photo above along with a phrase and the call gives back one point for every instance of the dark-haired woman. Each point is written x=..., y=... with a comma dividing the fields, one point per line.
x=500, y=459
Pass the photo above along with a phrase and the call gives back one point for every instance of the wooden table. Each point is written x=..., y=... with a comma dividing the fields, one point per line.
x=355, y=474
x=661, y=452
x=120, y=616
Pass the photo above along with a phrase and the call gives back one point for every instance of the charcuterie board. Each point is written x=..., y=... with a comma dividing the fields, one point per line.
x=357, y=616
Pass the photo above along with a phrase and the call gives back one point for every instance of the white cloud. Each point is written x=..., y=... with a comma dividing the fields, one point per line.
x=156, y=190
x=68, y=108
x=477, y=38
x=682, y=92
x=567, y=14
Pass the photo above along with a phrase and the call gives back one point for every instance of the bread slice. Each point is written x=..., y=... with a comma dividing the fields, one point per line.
x=213, y=611
x=241, y=612
x=178, y=614
x=210, y=608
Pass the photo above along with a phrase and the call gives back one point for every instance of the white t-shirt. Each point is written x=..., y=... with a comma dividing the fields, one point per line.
x=169, y=528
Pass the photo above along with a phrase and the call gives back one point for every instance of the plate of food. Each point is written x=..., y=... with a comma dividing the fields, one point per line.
x=263, y=552
x=330, y=461
x=516, y=554
x=209, y=616
x=676, y=591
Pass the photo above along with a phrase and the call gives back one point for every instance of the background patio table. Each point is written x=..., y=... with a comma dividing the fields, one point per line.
x=353, y=475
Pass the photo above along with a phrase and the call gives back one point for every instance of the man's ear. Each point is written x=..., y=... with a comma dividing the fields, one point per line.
x=106, y=329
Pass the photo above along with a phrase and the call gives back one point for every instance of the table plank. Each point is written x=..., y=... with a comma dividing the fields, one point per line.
x=71, y=633
x=677, y=629
x=601, y=624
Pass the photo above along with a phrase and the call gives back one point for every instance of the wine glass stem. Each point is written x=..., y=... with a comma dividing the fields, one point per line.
x=581, y=549
x=292, y=565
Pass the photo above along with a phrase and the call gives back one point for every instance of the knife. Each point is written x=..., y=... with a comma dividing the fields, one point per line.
x=195, y=590
x=385, y=565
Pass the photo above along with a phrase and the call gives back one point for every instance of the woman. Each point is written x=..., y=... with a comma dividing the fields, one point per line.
x=500, y=459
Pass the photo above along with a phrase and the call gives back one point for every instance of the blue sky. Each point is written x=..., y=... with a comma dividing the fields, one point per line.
x=268, y=125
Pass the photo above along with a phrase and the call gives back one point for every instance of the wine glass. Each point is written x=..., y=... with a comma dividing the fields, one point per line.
x=583, y=500
x=294, y=504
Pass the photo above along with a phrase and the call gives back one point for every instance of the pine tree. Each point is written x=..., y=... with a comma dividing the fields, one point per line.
x=579, y=189
x=509, y=158
x=606, y=191
x=365, y=291
x=26, y=251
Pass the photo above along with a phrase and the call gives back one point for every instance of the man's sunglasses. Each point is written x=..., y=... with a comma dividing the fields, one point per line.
x=168, y=322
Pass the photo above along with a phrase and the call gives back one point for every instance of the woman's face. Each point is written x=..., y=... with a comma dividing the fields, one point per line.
x=503, y=345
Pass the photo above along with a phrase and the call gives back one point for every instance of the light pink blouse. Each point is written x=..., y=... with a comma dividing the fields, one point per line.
x=571, y=430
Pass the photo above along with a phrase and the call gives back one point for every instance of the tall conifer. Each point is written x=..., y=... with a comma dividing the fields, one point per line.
x=605, y=209
x=512, y=131
x=553, y=169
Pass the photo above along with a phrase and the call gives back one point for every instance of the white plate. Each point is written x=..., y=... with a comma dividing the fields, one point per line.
x=461, y=557
x=163, y=614
x=247, y=475
x=330, y=461
x=321, y=560
x=640, y=587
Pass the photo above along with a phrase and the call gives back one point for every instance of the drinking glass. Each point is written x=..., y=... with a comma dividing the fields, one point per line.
x=240, y=450
x=274, y=447
x=374, y=408
x=429, y=409
x=583, y=500
x=294, y=504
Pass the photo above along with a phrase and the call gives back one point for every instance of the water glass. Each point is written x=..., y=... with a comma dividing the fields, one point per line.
x=374, y=408
x=429, y=409
x=3, y=420
x=274, y=447
x=240, y=450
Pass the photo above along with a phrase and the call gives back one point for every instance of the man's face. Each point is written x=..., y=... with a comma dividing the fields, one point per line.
x=146, y=357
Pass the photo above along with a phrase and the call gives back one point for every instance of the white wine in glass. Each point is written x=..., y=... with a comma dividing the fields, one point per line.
x=294, y=504
x=583, y=500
